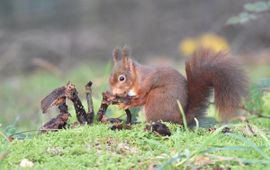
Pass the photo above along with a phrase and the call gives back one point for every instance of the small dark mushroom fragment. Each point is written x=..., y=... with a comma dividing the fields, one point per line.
x=111, y=120
x=120, y=126
x=117, y=126
x=158, y=128
x=59, y=122
x=212, y=129
x=224, y=130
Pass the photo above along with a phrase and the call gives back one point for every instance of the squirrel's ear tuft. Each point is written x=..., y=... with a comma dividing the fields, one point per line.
x=132, y=68
x=116, y=55
x=126, y=51
x=125, y=55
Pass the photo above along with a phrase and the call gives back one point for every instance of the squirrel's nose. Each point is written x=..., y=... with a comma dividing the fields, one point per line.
x=119, y=92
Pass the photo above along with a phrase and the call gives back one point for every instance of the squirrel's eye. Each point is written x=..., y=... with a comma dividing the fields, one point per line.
x=122, y=77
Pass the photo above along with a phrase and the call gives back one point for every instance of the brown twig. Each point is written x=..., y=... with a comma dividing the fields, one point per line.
x=108, y=99
x=58, y=97
x=90, y=113
x=129, y=116
x=47, y=66
x=59, y=122
x=55, y=98
x=256, y=113
x=72, y=94
x=27, y=131
x=244, y=119
x=103, y=107
x=5, y=137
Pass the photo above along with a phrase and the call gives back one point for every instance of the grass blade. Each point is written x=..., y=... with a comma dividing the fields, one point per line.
x=251, y=144
x=183, y=115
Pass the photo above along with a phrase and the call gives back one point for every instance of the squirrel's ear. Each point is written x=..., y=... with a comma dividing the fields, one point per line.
x=125, y=55
x=116, y=55
x=132, y=68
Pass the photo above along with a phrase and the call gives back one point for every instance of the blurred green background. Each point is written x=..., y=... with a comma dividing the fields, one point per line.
x=44, y=44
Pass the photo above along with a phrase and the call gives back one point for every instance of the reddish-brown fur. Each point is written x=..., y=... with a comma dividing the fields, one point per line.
x=158, y=88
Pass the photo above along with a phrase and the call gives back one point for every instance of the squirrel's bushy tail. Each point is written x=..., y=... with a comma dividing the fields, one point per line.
x=207, y=70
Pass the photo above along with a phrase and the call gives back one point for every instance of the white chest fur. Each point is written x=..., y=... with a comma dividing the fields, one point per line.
x=132, y=93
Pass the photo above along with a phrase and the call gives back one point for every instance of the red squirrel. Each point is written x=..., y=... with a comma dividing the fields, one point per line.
x=158, y=88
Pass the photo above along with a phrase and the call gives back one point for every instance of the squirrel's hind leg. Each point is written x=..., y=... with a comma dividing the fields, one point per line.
x=162, y=105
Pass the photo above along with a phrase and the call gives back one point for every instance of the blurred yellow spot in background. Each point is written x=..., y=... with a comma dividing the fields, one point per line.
x=188, y=46
x=209, y=41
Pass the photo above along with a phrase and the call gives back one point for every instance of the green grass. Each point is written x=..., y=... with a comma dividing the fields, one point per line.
x=98, y=147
